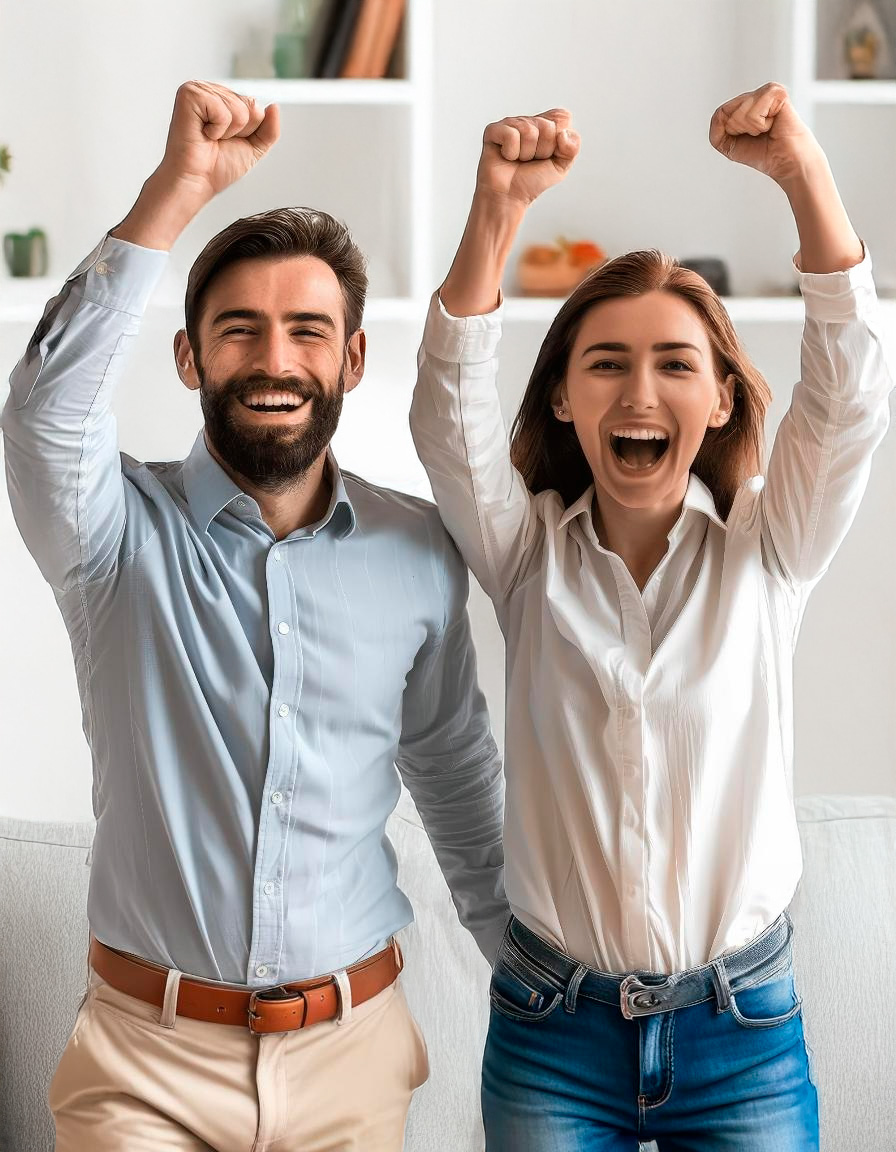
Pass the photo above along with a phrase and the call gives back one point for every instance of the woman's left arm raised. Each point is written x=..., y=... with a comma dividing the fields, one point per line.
x=819, y=465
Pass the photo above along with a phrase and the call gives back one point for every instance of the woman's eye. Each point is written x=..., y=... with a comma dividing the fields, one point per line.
x=678, y=366
x=605, y=366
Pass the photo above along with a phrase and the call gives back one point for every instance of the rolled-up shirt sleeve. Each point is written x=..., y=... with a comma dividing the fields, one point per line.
x=821, y=460
x=60, y=443
x=462, y=441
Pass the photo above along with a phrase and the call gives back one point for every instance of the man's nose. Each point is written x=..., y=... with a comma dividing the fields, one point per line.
x=273, y=355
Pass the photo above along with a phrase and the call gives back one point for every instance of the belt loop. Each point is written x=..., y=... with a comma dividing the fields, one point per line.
x=572, y=988
x=344, y=991
x=169, y=1004
x=396, y=949
x=723, y=988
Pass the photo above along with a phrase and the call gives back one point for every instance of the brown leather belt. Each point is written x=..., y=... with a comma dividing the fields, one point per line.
x=279, y=1009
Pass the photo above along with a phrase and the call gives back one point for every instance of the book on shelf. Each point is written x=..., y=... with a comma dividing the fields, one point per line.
x=373, y=42
x=338, y=20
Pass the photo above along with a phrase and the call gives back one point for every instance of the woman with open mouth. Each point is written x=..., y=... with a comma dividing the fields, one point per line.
x=650, y=583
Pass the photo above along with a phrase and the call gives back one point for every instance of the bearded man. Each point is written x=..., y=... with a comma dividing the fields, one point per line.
x=259, y=640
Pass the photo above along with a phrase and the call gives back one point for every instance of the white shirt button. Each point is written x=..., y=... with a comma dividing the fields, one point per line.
x=101, y=268
x=241, y=503
x=283, y=710
x=261, y=970
x=269, y=889
x=282, y=627
x=630, y=818
x=278, y=556
x=276, y=797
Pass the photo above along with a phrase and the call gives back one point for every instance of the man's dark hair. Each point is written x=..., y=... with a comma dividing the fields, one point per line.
x=274, y=235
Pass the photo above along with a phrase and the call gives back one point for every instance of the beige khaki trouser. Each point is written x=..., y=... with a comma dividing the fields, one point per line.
x=127, y=1083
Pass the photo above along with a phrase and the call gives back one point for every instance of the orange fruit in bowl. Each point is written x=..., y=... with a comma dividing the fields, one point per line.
x=554, y=270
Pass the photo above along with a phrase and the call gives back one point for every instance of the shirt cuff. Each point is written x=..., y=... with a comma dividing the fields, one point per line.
x=839, y=296
x=461, y=339
x=120, y=275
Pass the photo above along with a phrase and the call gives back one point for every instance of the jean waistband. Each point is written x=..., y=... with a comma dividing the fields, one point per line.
x=646, y=993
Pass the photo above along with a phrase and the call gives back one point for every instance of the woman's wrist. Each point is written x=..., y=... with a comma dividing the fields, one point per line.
x=473, y=285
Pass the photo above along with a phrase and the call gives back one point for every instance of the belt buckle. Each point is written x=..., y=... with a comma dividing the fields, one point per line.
x=269, y=996
x=632, y=994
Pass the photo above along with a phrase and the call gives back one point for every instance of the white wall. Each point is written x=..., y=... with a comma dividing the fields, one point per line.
x=87, y=110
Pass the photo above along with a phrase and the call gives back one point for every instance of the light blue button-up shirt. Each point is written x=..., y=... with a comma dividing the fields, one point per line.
x=246, y=700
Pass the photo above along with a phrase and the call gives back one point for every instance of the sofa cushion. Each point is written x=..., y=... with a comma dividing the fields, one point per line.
x=844, y=945
x=43, y=897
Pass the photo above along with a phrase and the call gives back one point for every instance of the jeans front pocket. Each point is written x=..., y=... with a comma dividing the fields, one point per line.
x=766, y=1005
x=518, y=990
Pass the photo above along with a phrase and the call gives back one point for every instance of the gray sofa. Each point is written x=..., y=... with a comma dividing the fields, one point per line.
x=845, y=944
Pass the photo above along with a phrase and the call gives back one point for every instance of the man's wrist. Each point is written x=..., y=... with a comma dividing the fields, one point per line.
x=161, y=212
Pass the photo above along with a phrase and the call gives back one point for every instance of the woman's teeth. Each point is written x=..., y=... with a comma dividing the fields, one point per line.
x=639, y=448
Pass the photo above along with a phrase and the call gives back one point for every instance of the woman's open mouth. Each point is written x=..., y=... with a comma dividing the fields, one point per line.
x=639, y=449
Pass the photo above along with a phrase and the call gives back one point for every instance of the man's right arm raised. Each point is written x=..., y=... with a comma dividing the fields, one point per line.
x=62, y=463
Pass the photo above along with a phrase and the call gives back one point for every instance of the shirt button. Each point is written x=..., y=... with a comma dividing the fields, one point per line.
x=632, y=891
x=277, y=556
x=276, y=797
x=282, y=627
x=630, y=818
x=283, y=710
x=241, y=503
x=269, y=889
x=101, y=268
x=261, y=970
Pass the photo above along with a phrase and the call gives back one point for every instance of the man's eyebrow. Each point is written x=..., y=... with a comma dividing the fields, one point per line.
x=291, y=317
x=612, y=346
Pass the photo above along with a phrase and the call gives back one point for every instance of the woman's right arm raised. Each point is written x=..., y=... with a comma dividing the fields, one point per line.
x=455, y=416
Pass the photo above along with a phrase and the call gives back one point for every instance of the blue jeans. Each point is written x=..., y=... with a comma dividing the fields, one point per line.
x=582, y=1061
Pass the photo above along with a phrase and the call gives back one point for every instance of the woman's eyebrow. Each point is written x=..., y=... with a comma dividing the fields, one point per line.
x=612, y=346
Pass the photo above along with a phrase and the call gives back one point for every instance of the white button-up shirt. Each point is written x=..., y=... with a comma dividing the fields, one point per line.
x=649, y=819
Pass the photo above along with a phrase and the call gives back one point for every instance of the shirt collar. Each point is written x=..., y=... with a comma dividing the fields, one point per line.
x=209, y=490
x=697, y=498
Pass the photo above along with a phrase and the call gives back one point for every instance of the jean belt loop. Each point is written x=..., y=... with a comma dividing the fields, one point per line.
x=345, y=997
x=724, y=994
x=169, y=1004
x=572, y=988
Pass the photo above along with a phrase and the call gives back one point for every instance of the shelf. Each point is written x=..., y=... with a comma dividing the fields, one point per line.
x=270, y=91
x=853, y=92
x=22, y=301
x=741, y=309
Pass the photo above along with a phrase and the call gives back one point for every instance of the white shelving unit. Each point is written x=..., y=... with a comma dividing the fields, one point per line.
x=22, y=299
x=407, y=105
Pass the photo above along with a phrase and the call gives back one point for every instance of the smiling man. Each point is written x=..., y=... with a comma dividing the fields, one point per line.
x=259, y=640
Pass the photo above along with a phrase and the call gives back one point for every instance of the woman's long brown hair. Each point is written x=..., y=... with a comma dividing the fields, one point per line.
x=546, y=451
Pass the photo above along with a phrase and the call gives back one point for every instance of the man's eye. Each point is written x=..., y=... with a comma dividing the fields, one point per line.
x=237, y=332
x=308, y=333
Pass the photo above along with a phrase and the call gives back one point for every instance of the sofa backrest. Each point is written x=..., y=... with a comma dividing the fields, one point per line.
x=844, y=944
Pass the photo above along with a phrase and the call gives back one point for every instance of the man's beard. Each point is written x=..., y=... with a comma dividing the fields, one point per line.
x=279, y=455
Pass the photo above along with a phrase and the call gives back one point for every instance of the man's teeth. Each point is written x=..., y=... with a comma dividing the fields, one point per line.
x=273, y=400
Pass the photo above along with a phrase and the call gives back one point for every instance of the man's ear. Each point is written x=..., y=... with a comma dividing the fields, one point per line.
x=355, y=354
x=722, y=413
x=185, y=361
